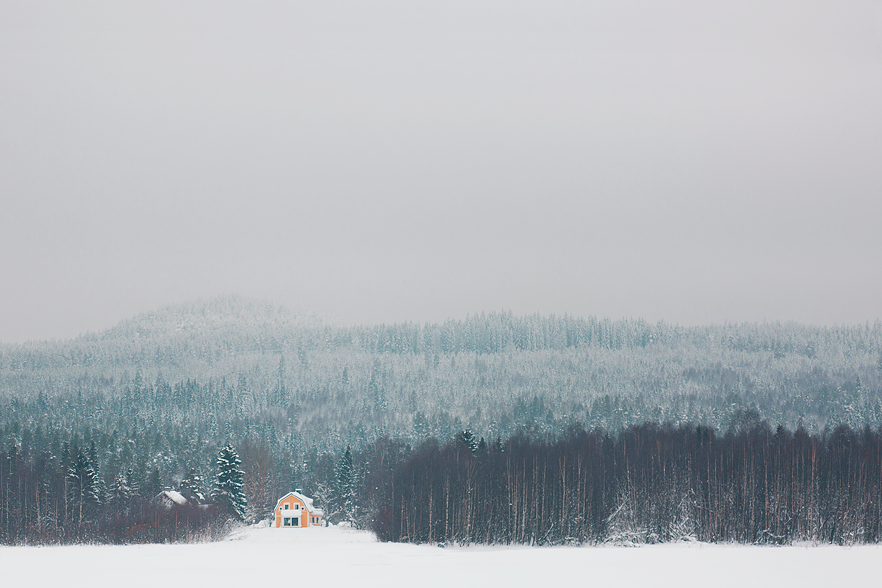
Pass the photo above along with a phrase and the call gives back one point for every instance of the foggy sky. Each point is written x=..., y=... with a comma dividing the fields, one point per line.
x=694, y=162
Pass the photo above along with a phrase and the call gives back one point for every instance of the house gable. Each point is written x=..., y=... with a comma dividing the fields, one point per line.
x=294, y=510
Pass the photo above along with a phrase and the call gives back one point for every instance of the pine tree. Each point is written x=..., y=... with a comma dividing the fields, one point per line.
x=228, y=488
x=120, y=492
x=153, y=485
x=191, y=487
x=344, y=490
x=120, y=495
x=100, y=487
x=467, y=439
x=132, y=483
x=83, y=486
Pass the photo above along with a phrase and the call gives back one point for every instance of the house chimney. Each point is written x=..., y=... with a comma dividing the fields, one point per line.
x=298, y=490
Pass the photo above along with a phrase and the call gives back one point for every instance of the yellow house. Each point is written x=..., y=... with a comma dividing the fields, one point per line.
x=295, y=510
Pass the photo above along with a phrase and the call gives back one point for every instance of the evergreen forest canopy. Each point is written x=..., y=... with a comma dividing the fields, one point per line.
x=155, y=398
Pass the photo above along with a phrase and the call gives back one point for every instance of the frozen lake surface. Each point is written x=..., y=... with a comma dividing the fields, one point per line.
x=342, y=557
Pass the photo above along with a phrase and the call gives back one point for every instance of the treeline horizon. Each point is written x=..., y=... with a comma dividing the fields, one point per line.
x=641, y=484
x=649, y=483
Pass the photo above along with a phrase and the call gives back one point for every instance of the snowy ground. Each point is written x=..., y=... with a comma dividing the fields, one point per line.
x=340, y=557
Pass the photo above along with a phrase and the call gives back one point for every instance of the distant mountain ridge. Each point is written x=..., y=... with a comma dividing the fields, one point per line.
x=218, y=314
x=189, y=339
x=495, y=371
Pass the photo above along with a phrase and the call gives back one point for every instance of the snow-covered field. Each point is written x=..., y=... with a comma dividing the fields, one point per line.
x=341, y=557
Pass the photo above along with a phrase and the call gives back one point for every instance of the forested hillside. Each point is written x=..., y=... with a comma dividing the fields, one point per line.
x=159, y=394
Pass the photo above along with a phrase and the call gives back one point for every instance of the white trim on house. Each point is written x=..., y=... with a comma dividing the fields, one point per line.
x=306, y=500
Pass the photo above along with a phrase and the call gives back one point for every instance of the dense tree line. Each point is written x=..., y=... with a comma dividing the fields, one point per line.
x=107, y=488
x=646, y=483
x=46, y=498
x=650, y=483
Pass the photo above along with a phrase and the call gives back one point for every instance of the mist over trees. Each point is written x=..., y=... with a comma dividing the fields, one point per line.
x=233, y=360
x=148, y=405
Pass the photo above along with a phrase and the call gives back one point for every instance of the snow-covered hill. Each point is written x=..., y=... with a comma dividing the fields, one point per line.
x=217, y=317
x=198, y=339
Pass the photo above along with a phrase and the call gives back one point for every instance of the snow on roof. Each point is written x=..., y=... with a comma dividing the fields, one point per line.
x=173, y=496
x=306, y=500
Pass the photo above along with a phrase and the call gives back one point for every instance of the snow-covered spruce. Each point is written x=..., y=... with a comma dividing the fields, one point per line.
x=228, y=490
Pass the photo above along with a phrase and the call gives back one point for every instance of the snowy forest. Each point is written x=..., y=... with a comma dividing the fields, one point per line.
x=776, y=416
x=649, y=484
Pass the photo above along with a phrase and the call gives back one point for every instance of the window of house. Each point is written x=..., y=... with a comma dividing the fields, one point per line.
x=286, y=522
x=295, y=522
x=297, y=506
x=286, y=506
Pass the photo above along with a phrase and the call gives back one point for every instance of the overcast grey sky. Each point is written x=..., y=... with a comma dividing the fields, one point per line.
x=384, y=161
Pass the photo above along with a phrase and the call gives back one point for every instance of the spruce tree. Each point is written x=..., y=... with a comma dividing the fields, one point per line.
x=467, y=440
x=120, y=493
x=83, y=486
x=344, y=491
x=227, y=491
x=153, y=484
x=100, y=487
x=132, y=483
x=191, y=486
